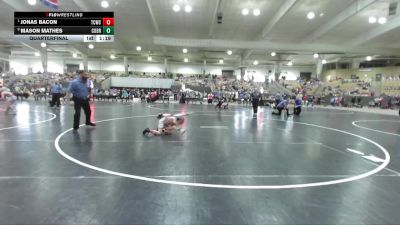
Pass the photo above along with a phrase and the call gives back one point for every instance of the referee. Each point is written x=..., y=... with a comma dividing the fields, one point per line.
x=80, y=95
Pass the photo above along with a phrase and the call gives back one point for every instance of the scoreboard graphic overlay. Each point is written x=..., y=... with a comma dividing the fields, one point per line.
x=64, y=26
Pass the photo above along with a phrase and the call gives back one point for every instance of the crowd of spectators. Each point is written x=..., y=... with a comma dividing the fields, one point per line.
x=338, y=92
x=128, y=94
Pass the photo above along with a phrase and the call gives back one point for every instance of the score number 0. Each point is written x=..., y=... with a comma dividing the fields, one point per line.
x=108, y=25
x=108, y=22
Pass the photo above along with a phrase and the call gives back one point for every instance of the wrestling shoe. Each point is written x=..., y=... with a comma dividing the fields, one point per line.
x=146, y=131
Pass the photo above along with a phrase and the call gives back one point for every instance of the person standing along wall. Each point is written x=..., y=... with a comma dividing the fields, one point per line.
x=255, y=98
x=56, y=91
x=210, y=97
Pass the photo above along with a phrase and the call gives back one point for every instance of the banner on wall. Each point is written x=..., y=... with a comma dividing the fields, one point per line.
x=378, y=77
x=72, y=68
x=227, y=73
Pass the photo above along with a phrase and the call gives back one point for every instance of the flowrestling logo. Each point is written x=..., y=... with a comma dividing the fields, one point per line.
x=51, y=3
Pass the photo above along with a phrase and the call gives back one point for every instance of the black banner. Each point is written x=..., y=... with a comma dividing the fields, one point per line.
x=57, y=22
x=57, y=30
x=378, y=77
x=63, y=15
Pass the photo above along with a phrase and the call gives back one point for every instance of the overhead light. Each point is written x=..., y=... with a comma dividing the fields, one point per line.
x=149, y=58
x=74, y=55
x=43, y=45
x=229, y=52
x=321, y=14
x=368, y=58
x=382, y=20
x=37, y=54
x=186, y=60
x=188, y=8
x=256, y=12
x=184, y=50
x=138, y=48
x=176, y=8
x=245, y=12
x=91, y=46
x=255, y=62
x=273, y=53
x=290, y=63
x=221, y=61
x=32, y=2
x=112, y=56
x=104, y=4
x=323, y=61
x=372, y=19
x=316, y=56
x=310, y=15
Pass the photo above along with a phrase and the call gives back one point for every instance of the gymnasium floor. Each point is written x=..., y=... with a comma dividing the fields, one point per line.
x=229, y=167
